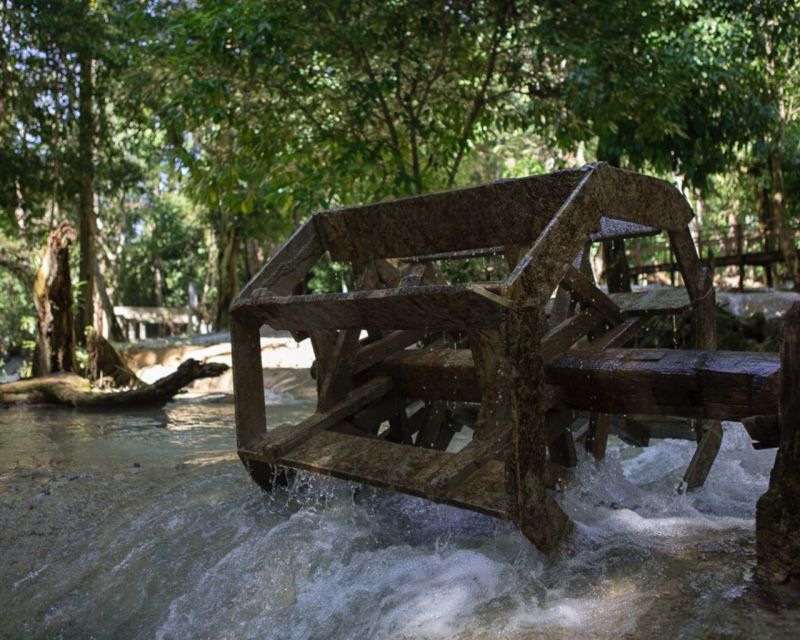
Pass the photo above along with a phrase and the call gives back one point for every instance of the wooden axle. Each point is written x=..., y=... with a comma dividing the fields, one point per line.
x=694, y=384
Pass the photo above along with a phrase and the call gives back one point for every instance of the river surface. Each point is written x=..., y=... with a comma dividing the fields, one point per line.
x=145, y=525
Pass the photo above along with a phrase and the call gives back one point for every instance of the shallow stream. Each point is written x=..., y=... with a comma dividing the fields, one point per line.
x=145, y=525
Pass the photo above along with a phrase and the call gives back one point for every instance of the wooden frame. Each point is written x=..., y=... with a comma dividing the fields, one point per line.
x=517, y=343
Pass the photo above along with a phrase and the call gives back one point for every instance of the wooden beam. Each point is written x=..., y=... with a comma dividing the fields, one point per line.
x=589, y=295
x=283, y=439
x=248, y=380
x=499, y=213
x=701, y=384
x=430, y=306
x=377, y=351
x=291, y=262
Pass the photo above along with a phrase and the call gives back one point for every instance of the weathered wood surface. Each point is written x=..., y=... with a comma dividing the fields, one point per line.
x=248, y=380
x=290, y=264
x=75, y=391
x=420, y=308
x=52, y=301
x=379, y=463
x=498, y=213
x=703, y=458
x=277, y=442
x=778, y=510
x=611, y=229
x=652, y=301
x=702, y=384
x=597, y=435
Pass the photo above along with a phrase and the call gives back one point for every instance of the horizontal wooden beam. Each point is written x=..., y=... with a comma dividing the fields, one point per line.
x=498, y=213
x=279, y=441
x=722, y=385
x=419, y=308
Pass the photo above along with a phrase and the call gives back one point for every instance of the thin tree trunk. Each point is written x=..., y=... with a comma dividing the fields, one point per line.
x=228, y=270
x=782, y=230
x=88, y=222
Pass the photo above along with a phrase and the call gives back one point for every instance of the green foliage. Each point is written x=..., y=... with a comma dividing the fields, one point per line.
x=225, y=121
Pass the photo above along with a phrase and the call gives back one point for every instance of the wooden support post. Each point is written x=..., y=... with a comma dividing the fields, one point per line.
x=700, y=285
x=534, y=511
x=597, y=435
x=248, y=381
x=710, y=432
x=778, y=511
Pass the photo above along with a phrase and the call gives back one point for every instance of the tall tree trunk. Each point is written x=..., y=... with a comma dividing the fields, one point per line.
x=88, y=222
x=228, y=270
x=782, y=230
x=52, y=299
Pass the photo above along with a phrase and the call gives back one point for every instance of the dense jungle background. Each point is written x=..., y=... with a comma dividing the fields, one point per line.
x=183, y=141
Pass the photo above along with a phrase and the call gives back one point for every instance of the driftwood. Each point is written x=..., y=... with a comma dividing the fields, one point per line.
x=515, y=359
x=72, y=390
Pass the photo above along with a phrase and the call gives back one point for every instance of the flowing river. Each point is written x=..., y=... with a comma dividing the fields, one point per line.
x=145, y=525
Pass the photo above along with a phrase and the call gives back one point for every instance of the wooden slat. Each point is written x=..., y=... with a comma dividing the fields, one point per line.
x=620, y=335
x=652, y=301
x=611, y=229
x=392, y=466
x=588, y=294
x=499, y=213
x=457, y=468
x=284, y=438
x=568, y=332
x=290, y=264
x=377, y=351
x=430, y=306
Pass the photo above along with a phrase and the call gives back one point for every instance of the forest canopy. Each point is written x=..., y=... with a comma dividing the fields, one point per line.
x=184, y=140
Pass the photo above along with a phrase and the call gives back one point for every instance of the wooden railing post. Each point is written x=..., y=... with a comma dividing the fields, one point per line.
x=778, y=511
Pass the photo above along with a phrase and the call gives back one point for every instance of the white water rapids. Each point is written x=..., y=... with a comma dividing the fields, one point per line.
x=145, y=525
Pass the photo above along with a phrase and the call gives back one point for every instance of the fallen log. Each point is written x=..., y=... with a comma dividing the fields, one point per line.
x=73, y=390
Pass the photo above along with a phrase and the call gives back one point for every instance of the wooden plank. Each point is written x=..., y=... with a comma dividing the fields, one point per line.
x=634, y=197
x=392, y=466
x=589, y=295
x=652, y=301
x=700, y=285
x=567, y=333
x=377, y=351
x=620, y=335
x=289, y=265
x=428, y=434
x=283, y=439
x=499, y=213
x=457, y=468
x=430, y=306
x=611, y=229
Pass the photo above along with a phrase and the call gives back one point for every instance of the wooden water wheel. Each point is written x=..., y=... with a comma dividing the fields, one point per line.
x=407, y=359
